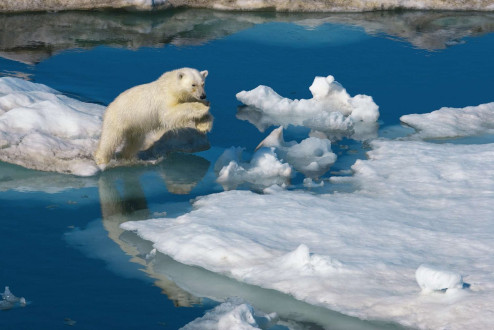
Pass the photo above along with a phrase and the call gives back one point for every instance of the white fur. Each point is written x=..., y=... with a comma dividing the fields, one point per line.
x=141, y=115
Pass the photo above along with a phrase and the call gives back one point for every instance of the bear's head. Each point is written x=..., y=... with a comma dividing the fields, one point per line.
x=191, y=83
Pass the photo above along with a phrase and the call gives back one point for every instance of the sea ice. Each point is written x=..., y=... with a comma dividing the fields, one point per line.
x=232, y=314
x=331, y=110
x=263, y=170
x=452, y=122
x=431, y=278
x=10, y=301
x=357, y=253
x=312, y=156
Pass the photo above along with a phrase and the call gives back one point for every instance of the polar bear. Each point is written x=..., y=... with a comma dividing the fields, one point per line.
x=141, y=115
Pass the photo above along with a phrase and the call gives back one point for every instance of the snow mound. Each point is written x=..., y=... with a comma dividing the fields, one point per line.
x=431, y=278
x=312, y=156
x=453, y=122
x=263, y=170
x=232, y=314
x=331, y=109
x=10, y=301
x=44, y=130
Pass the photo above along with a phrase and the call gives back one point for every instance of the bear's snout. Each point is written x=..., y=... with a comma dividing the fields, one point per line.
x=203, y=96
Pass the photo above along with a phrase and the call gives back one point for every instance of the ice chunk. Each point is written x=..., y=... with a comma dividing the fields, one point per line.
x=232, y=314
x=331, y=109
x=431, y=278
x=263, y=170
x=10, y=301
x=452, y=122
x=312, y=156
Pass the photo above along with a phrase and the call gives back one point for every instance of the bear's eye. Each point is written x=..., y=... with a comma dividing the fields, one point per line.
x=194, y=85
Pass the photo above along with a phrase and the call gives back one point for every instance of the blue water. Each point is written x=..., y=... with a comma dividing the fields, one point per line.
x=61, y=248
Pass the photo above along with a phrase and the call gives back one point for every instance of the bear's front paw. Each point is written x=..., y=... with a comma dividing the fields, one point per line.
x=205, y=124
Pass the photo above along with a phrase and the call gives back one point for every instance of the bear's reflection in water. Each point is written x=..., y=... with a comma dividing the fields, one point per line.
x=123, y=199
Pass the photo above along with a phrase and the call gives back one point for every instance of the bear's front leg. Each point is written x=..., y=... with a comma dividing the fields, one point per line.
x=204, y=124
x=193, y=110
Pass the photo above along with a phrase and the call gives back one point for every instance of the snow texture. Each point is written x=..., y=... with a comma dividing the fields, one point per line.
x=232, y=314
x=358, y=253
x=331, y=110
x=279, y=5
x=453, y=122
x=44, y=130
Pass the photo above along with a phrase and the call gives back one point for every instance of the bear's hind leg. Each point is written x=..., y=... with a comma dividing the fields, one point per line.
x=132, y=146
x=108, y=144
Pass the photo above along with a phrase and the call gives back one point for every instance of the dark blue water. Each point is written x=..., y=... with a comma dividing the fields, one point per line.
x=61, y=248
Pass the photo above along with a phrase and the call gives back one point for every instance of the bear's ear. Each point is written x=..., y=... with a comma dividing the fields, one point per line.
x=204, y=74
x=180, y=75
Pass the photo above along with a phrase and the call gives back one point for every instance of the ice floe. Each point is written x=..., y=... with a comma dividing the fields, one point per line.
x=279, y=5
x=10, y=301
x=330, y=110
x=357, y=253
x=452, y=122
x=263, y=170
x=44, y=130
x=312, y=156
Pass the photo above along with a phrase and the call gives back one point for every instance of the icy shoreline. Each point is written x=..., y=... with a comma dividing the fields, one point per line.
x=250, y=5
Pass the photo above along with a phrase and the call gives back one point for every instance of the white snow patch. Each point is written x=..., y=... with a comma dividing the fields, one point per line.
x=331, y=109
x=453, y=122
x=263, y=170
x=357, y=253
x=232, y=314
x=312, y=156
x=432, y=278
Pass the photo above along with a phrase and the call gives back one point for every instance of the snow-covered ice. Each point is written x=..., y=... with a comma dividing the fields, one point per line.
x=431, y=278
x=44, y=130
x=263, y=170
x=330, y=110
x=232, y=314
x=416, y=203
x=452, y=122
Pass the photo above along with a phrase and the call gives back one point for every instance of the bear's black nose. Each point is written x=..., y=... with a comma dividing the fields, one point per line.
x=203, y=96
